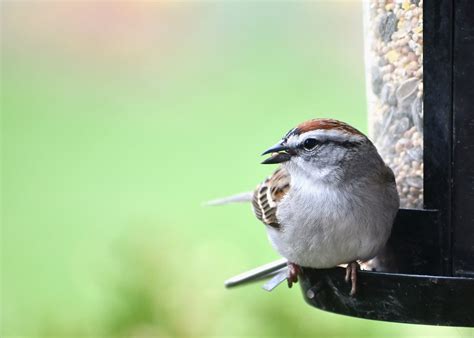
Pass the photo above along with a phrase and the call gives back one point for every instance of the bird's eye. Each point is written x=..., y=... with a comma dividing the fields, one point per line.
x=310, y=143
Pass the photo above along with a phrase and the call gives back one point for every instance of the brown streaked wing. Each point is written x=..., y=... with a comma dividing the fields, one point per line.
x=268, y=194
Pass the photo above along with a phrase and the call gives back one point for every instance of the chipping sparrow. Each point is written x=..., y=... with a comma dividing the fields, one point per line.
x=332, y=201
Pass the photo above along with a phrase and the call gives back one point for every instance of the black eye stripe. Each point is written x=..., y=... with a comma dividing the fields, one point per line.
x=347, y=144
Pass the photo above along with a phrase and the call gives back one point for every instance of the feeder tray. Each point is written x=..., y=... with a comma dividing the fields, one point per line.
x=415, y=299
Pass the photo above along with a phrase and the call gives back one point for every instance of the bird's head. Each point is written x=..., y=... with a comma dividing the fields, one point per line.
x=319, y=145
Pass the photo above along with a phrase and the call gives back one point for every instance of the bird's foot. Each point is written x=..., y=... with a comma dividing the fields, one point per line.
x=351, y=274
x=293, y=271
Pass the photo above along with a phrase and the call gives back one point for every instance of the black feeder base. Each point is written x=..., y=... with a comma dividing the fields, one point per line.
x=416, y=299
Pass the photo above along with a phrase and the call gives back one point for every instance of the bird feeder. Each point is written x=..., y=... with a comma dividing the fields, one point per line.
x=420, y=71
x=420, y=80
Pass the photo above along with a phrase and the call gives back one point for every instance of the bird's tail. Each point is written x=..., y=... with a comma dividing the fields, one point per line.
x=238, y=198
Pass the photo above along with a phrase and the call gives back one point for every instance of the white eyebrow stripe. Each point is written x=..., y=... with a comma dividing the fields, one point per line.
x=323, y=135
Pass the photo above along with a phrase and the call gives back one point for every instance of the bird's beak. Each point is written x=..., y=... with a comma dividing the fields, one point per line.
x=281, y=153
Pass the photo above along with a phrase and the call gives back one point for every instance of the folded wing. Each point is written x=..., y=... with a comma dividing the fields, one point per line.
x=267, y=196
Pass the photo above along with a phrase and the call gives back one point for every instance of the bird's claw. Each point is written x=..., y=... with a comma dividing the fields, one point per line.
x=293, y=272
x=351, y=275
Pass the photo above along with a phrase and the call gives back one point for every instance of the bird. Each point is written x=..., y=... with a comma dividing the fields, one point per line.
x=332, y=199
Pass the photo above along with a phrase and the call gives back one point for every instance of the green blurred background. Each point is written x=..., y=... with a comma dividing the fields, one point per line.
x=119, y=119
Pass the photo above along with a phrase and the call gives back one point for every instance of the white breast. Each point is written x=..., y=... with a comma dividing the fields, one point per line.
x=323, y=225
